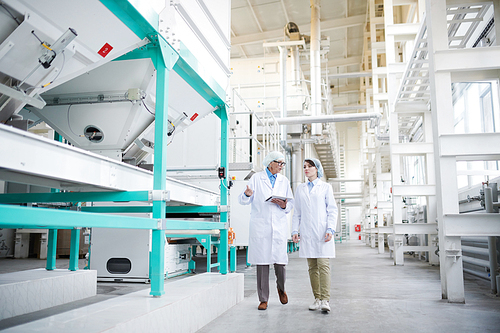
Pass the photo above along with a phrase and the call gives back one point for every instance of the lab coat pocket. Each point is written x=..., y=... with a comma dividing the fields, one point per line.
x=259, y=229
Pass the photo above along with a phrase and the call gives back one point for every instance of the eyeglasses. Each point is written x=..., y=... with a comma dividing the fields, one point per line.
x=280, y=163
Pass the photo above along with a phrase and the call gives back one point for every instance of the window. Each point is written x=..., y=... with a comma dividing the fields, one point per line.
x=476, y=110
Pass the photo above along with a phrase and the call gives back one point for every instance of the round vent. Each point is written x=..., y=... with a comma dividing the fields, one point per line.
x=93, y=134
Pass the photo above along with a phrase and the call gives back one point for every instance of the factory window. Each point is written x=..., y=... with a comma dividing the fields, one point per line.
x=476, y=110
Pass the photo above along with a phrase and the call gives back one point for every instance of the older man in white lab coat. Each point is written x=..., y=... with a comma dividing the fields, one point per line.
x=269, y=225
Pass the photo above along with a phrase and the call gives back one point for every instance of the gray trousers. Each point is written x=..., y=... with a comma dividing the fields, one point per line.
x=263, y=280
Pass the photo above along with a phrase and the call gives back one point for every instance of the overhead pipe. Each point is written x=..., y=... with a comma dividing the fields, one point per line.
x=315, y=64
x=328, y=118
x=283, y=95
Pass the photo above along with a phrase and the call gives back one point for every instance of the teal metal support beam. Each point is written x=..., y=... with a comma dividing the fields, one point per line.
x=191, y=225
x=118, y=209
x=191, y=266
x=75, y=197
x=51, y=250
x=197, y=77
x=140, y=53
x=232, y=261
x=74, y=251
x=149, y=209
x=163, y=59
x=136, y=15
x=58, y=137
x=208, y=246
x=248, y=264
x=45, y=218
x=193, y=209
x=224, y=240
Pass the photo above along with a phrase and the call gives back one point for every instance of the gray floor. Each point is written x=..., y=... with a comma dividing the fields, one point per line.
x=369, y=294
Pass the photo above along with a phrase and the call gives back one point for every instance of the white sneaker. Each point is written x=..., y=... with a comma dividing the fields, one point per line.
x=316, y=305
x=325, y=305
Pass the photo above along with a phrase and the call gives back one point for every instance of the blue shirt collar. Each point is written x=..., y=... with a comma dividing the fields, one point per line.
x=270, y=175
x=314, y=181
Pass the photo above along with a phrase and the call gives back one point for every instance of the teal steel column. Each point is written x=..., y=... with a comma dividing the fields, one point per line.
x=57, y=137
x=248, y=264
x=163, y=58
x=208, y=246
x=224, y=246
x=51, y=250
x=160, y=175
x=52, y=239
x=232, y=263
x=75, y=249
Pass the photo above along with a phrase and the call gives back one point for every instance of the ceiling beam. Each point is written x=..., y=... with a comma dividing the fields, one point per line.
x=346, y=22
x=284, y=11
x=254, y=16
x=334, y=63
x=349, y=75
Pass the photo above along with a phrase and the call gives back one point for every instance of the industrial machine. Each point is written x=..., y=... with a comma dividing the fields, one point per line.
x=98, y=86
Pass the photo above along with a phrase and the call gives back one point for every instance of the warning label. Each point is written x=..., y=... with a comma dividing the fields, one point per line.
x=105, y=50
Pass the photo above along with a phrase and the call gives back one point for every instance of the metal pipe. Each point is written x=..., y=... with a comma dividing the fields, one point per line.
x=475, y=250
x=476, y=261
x=475, y=239
x=478, y=274
x=315, y=64
x=328, y=118
x=296, y=167
x=494, y=196
x=295, y=58
x=283, y=113
x=492, y=245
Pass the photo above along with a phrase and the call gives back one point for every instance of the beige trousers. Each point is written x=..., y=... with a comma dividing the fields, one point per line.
x=319, y=274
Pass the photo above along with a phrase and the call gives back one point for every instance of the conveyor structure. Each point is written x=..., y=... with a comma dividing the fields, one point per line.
x=173, y=82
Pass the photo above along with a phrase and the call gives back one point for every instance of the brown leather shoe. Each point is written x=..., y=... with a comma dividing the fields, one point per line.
x=283, y=296
x=262, y=306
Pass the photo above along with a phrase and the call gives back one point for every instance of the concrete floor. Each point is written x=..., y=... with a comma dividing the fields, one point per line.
x=369, y=294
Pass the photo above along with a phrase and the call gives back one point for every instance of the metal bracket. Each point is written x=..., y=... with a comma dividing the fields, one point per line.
x=223, y=209
x=158, y=195
x=398, y=242
x=161, y=224
x=453, y=253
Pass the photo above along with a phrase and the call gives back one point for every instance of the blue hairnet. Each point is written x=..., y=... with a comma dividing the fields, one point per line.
x=273, y=156
x=318, y=166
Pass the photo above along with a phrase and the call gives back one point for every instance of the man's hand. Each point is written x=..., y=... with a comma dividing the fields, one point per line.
x=248, y=192
x=279, y=202
x=295, y=238
x=328, y=237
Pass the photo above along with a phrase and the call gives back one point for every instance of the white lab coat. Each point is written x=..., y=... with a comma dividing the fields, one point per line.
x=314, y=213
x=269, y=230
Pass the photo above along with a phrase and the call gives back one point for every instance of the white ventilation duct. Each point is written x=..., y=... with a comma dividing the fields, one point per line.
x=315, y=64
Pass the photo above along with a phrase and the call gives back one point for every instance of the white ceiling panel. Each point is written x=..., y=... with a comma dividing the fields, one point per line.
x=337, y=17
